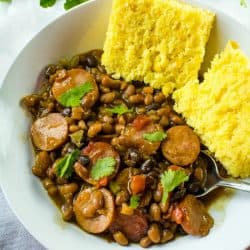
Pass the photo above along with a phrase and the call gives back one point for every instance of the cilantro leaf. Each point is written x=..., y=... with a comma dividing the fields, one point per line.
x=72, y=97
x=155, y=136
x=134, y=201
x=47, y=3
x=103, y=167
x=171, y=179
x=120, y=109
x=64, y=167
x=72, y=3
x=243, y=3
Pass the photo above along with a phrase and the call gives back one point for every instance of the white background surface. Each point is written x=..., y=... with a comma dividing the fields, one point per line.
x=19, y=22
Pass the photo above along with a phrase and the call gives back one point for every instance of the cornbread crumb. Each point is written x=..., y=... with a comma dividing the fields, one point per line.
x=161, y=42
x=219, y=109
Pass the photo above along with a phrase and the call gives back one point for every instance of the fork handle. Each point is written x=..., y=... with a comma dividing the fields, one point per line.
x=235, y=184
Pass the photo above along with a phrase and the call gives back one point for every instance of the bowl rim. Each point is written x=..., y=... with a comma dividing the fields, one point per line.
x=197, y=3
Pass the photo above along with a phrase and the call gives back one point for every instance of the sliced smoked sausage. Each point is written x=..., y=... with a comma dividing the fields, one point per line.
x=194, y=220
x=182, y=145
x=133, y=135
x=73, y=78
x=134, y=226
x=49, y=132
x=93, y=215
x=99, y=150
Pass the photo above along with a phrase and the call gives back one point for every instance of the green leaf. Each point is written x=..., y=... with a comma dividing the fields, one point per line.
x=73, y=97
x=171, y=179
x=72, y=3
x=155, y=136
x=7, y=1
x=120, y=109
x=103, y=167
x=47, y=3
x=243, y=3
x=114, y=187
x=76, y=137
x=64, y=167
x=134, y=201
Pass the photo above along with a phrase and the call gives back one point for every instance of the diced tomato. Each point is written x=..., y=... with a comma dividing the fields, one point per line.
x=137, y=184
x=177, y=215
x=103, y=182
x=140, y=122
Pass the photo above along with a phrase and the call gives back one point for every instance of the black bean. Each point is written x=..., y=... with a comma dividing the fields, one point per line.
x=91, y=61
x=84, y=160
x=148, y=165
x=152, y=106
x=132, y=157
x=178, y=194
x=66, y=112
x=193, y=187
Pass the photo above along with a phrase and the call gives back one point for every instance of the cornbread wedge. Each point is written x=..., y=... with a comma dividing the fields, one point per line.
x=161, y=42
x=219, y=109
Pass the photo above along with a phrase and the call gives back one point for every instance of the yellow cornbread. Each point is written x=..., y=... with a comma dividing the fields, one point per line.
x=161, y=42
x=219, y=109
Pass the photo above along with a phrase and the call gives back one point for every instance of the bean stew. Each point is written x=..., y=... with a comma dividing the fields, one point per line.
x=115, y=156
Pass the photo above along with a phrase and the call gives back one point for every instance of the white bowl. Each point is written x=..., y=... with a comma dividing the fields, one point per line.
x=80, y=30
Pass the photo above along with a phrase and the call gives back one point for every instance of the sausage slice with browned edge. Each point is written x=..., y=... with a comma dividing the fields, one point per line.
x=68, y=79
x=134, y=226
x=194, y=218
x=99, y=150
x=93, y=215
x=49, y=132
x=182, y=145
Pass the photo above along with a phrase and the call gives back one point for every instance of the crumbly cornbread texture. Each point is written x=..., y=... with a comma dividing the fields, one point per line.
x=219, y=109
x=161, y=42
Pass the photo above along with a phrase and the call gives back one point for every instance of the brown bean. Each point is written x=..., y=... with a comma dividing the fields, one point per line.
x=123, y=85
x=164, y=121
x=107, y=119
x=130, y=90
x=155, y=212
x=159, y=98
x=120, y=238
x=176, y=119
x=104, y=89
x=199, y=174
x=50, y=186
x=157, y=195
x=121, y=120
x=82, y=124
x=164, y=207
x=67, y=211
x=121, y=197
x=154, y=118
x=73, y=128
x=108, y=97
x=148, y=99
x=110, y=83
x=42, y=163
x=97, y=199
x=119, y=128
x=107, y=128
x=154, y=233
x=70, y=188
x=77, y=113
x=94, y=129
x=145, y=242
x=69, y=120
x=136, y=99
x=167, y=235
x=148, y=90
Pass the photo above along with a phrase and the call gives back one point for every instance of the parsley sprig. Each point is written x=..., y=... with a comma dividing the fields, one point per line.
x=119, y=109
x=64, y=167
x=134, y=201
x=155, y=136
x=102, y=168
x=171, y=179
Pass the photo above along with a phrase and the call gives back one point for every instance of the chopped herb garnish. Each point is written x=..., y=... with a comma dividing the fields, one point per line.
x=102, y=168
x=47, y=3
x=64, y=167
x=114, y=187
x=73, y=97
x=134, y=201
x=155, y=136
x=243, y=3
x=76, y=137
x=171, y=179
x=119, y=109
x=72, y=3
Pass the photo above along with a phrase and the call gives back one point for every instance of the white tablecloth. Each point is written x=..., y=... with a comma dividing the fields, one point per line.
x=19, y=22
